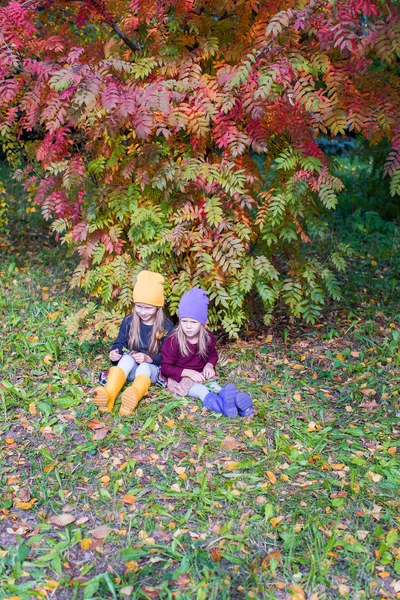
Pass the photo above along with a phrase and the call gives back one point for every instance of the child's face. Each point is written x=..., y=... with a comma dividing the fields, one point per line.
x=190, y=327
x=146, y=312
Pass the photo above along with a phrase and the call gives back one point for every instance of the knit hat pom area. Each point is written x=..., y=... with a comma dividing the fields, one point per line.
x=149, y=288
x=194, y=305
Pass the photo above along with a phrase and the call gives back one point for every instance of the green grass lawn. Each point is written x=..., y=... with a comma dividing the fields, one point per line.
x=299, y=502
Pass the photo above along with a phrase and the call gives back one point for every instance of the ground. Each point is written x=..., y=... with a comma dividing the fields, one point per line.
x=299, y=502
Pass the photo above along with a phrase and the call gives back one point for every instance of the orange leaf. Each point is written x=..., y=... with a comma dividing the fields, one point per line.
x=48, y=359
x=128, y=499
x=231, y=465
x=229, y=443
x=86, y=543
x=271, y=476
x=24, y=505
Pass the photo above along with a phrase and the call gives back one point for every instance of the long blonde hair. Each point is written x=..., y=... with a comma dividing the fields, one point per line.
x=204, y=339
x=157, y=333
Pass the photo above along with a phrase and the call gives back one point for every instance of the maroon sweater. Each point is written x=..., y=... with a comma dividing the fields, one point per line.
x=173, y=363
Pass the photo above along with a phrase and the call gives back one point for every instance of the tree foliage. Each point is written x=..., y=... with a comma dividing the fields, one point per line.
x=181, y=137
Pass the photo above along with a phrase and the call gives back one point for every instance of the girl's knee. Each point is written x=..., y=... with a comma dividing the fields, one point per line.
x=143, y=369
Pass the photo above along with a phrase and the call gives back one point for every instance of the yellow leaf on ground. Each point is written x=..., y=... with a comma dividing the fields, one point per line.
x=384, y=574
x=32, y=409
x=131, y=566
x=10, y=441
x=170, y=423
x=48, y=359
x=248, y=433
x=24, y=505
x=337, y=466
x=271, y=476
x=392, y=450
x=54, y=315
x=275, y=521
x=86, y=543
x=49, y=468
x=128, y=499
x=374, y=476
x=231, y=465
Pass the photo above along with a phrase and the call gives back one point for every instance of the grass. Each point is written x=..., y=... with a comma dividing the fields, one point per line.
x=300, y=502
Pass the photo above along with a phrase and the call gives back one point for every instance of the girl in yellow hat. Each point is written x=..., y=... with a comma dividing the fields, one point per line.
x=142, y=333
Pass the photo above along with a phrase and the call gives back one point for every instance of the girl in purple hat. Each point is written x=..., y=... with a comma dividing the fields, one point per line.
x=189, y=357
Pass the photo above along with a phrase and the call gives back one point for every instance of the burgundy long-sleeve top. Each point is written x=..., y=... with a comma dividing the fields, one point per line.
x=173, y=362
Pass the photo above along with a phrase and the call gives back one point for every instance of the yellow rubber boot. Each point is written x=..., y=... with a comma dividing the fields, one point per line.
x=104, y=397
x=134, y=393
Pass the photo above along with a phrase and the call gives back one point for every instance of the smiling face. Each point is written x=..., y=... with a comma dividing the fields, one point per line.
x=146, y=312
x=190, y=327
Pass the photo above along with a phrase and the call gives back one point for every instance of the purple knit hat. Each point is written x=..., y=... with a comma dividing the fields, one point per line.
x=194, y=305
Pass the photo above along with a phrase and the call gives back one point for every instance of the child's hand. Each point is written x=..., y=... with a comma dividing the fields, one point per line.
x=115, y=355
x=209, y=371
x=195, y=375
x=140, y=357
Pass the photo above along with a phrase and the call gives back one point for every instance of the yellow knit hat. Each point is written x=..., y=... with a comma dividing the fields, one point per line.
x=149, y=288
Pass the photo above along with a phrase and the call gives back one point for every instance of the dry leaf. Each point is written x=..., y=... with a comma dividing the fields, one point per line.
x=54, y=315
x=150, y=591
x=374, y=476
x=127, y=590
x=272, y=555
x=100, y=533
x=175, y=487
x=101, y=433
x=32, y=409
x=86, y=543
x=170, y=423
x=139, y=473
x=270, y=476
x=248, y=433
x=392, y=450
x=369, y=404
x=337, y=466
x=275, y=521
x=61, y=520
x=229, y=443
x=10, y=441
x=48, y=359
x=128, y=499
x=231, y=465
x=183, y=580
x=131, y=566
x=215, y=555
x=179, y=470
x=24, y=505
x=367, y=392
x=95, y=424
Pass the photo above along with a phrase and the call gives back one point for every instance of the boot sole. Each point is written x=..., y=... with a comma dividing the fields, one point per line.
x=100, y=399
x=229, y=396
x=244, y=404
x=129, y=402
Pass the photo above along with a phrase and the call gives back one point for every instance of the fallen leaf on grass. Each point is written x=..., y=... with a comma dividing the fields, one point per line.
x=170, y=423
x=96, y=424
x=367, y=392
x=150, y=591
x=183, y=580
x=101, y=434
x=100, y=533
x=270, y=476
x=127, y=590
x=275, y=521
x=374, y=476
x=215, y=555
x=86, y=543
x=131, y=566
x=272, y=555
x=392, y=450
x=62, y=520
x=229, y=443
x=248, y=433
x=32, y=409
x=231, y=465
x=48, y=359
x=10, y=441
x=369, y=404
x=24, y=505
x=128, y=499
x=313, y=426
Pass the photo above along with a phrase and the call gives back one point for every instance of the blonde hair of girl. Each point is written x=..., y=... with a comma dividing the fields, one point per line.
x=204, y=338
x=156, y=334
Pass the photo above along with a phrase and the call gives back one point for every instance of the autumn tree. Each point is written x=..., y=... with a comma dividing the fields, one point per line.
x=182, y=137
